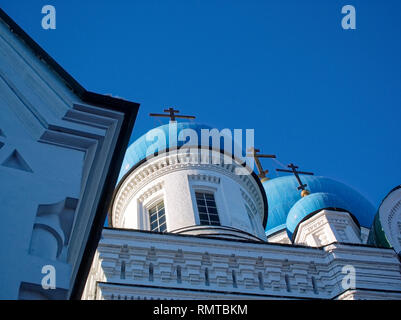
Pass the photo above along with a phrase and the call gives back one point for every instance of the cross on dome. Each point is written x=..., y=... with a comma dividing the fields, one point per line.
x=256, y=156
x=296, y=173
x=171, y=114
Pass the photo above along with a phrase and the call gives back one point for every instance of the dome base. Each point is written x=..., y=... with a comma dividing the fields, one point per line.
x=221, y=232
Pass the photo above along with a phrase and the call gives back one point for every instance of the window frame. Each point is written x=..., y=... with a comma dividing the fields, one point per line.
x=152, y=205
x=208, y=214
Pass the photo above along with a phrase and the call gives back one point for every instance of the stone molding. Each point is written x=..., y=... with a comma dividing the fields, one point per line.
x=150, y=191
x=286, y=271
x=328, y=226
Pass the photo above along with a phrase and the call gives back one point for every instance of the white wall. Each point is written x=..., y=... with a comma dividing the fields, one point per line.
x=287, y=271
x=55, y=152
x=176, y=182
x=328, y=226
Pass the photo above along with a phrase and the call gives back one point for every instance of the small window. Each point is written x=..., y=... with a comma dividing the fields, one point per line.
x=179, y=274
x=207, y=209
x=207, y=277
x=261, y=282
x=122, y=273
x=151, y=272
x=234, y=277
x=157, y=217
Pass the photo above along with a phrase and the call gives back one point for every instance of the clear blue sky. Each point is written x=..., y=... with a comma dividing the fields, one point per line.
x=322, y=97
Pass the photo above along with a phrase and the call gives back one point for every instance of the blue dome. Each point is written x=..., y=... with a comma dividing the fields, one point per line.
x=310, y=204
x=282, y=194
x=152, y=142
x=158, y=140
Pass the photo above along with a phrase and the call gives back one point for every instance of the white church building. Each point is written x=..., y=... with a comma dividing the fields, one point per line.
x=187, y=218
x=184, y=224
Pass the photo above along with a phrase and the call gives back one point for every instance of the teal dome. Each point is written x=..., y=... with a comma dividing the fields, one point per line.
x=309, y=205
x=157, y=140
x=282, y=194
x=377, y=235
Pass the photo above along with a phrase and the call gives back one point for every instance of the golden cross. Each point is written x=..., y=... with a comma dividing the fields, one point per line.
x=302, y=186
x=256, y=156
x=171, y=114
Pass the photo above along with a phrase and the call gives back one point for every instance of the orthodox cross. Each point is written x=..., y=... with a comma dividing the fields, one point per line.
x=171, y=114
x=256, y=156
x=294, y=170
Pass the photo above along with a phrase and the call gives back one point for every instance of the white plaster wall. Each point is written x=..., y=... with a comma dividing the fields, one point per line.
x=279, y=237
x=66, y=147
x=178, y=200
x=176, y=185
x=288, y=271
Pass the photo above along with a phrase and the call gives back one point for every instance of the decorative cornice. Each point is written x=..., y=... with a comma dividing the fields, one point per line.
x=339, y=219
x=204, y=177
x=249, y=201
x=147, y=193
x=177, y=161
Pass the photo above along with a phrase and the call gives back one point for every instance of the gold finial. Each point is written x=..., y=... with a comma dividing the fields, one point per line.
x=304, y=193
x=302, y=186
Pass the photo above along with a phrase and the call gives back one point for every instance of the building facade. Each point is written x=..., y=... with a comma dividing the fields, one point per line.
x=186, y=222
x=189, y=219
